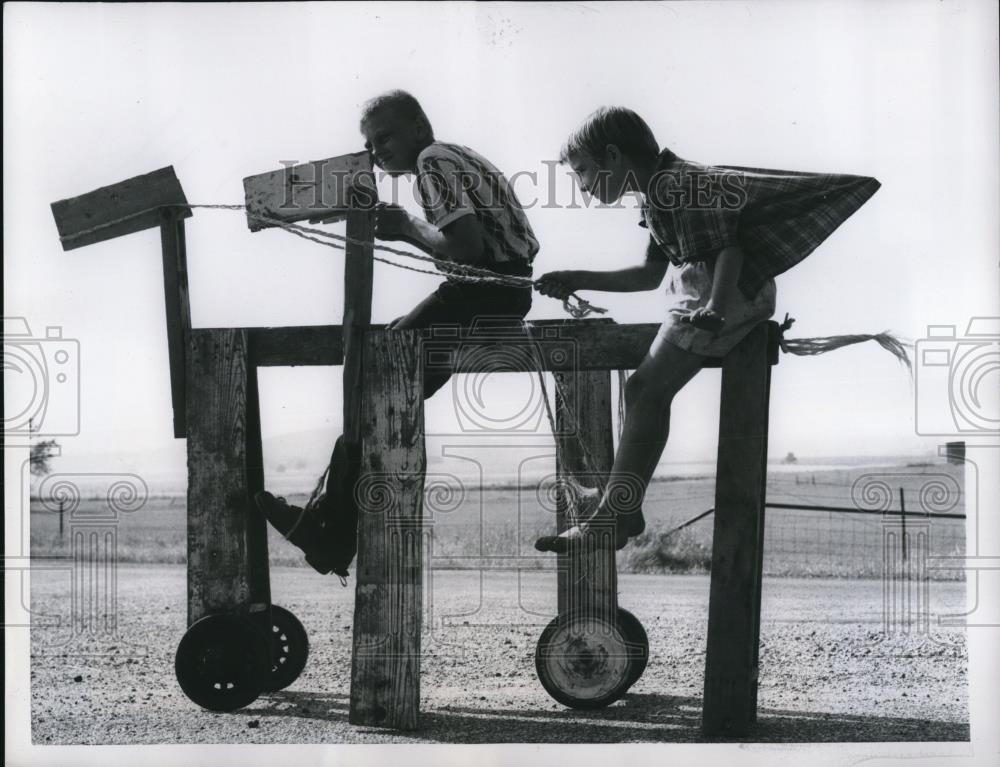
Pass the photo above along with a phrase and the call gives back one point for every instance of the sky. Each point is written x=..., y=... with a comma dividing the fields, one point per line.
x=904, y=92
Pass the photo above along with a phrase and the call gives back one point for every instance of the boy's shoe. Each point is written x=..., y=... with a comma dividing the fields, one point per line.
x=327, y=531
x=300, y=526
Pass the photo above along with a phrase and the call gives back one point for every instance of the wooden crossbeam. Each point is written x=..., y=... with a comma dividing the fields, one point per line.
x=97, y=216
x=565, y=345
x=318, y=190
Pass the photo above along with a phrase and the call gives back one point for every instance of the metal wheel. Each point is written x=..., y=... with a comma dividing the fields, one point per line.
x=289, y=649
x=583, y=661
x=222, y=662
x=638, y=642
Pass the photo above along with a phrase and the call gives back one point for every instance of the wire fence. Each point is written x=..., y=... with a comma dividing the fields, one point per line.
x=847, y=524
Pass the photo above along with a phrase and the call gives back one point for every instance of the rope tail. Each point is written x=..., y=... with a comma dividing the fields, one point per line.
x=805, y=347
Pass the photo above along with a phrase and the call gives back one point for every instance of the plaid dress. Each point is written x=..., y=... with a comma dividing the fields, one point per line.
x=777, y=217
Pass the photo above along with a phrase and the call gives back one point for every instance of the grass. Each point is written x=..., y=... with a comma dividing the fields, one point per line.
x=499, y=526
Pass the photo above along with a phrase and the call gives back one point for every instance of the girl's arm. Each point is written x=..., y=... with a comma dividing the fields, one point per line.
x=646, y=276
x=727, y=269
x=712, y=316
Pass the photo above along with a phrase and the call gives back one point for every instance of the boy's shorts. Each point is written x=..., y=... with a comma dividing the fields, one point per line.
x=463, y=303
x=689, y=287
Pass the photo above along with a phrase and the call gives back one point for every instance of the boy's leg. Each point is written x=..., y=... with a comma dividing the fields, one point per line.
x=462, y=305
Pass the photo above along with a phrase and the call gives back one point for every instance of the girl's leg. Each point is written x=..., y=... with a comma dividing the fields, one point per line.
x=648, y=395
x=649, y=392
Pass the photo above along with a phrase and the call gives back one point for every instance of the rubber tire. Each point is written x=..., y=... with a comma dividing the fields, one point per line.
x=289, y=649
x=635, y=635
x=222, y=662
x=547, y=644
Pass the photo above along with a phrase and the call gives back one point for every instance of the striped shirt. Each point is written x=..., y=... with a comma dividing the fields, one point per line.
x=454, y=181
x=777, y=217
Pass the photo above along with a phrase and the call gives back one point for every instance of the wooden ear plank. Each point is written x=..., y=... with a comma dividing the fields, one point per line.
x=123, y=208
x=314, y=191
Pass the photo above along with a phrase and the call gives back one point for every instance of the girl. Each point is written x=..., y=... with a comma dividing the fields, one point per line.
x=720, y=234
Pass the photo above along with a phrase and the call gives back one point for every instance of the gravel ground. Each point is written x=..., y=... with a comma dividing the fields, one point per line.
x=831, y=669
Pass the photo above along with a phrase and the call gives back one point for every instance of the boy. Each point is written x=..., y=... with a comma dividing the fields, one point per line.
x=721, y=234
x=473, y=218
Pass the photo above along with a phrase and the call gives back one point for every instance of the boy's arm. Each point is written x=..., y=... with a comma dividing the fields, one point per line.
x=461, y=241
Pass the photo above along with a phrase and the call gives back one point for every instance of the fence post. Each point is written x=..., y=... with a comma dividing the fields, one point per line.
x=585, y=582
x=385, y=672
x=730, y=700
x=220, y=525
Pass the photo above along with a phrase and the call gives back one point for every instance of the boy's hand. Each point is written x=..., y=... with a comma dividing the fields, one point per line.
x=558, y=284
x=392, y=223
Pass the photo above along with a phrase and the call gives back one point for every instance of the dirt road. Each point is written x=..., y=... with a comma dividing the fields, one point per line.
x=831, y=669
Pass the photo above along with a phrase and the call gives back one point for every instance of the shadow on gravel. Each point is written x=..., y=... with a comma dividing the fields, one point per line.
x=646, y=718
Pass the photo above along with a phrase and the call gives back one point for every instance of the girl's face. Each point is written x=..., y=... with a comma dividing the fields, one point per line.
x=605, y=180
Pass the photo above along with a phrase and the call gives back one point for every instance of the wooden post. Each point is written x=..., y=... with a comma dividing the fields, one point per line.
x=219, y=392
x=178, y=307
x=143, y=202
x=385, y=671
x=730, y=700
x=258, y=568
x=585, y=583
x=358, y=266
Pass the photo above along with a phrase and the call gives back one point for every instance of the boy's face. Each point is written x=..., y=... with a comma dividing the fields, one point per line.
x=604, y=179
x=395, y=141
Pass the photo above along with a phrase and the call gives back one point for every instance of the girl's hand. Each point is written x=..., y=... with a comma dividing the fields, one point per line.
x=702, y=317
x=392, y=222
x=558, y=284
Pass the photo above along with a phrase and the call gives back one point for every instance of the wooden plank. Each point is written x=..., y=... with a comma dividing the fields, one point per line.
x=358, y=269
x=385, y=671
x=734, y=594
x=318, y=190
x=588, y=345
x=136, y=200
x=178, y=309
x=258, y=569
x=218, y=504
x=772, y=359
x=587, y=583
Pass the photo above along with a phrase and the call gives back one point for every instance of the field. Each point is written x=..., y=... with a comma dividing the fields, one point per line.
x=503, y=522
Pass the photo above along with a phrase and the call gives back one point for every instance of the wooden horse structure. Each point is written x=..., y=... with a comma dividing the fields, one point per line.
x=238, y=644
